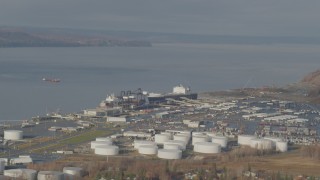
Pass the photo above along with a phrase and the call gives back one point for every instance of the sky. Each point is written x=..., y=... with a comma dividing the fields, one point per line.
x=213, y=17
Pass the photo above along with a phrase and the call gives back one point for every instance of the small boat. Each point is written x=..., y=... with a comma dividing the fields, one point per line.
x=51, y=80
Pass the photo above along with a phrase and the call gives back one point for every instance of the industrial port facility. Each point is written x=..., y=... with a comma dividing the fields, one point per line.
x=172, y=126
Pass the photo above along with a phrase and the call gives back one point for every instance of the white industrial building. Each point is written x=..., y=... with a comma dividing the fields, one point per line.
x=116, y=119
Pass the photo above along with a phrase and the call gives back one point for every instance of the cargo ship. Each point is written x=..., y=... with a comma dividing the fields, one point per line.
x=51, y=80
x=179, y=92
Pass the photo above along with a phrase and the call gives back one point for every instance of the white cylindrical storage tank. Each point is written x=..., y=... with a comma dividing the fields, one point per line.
x=169, y=154
x=14, y=173
x=73, y=172
x=282, y=146
x=274, y=140
x=207, y=147
x=263, y=144
x=161, y=138
x=106, y=150
x=182, y=137
x=138, y=143
x=103, y=139
x=245, y=139
x=94, y=144
x=50, y=175
x=13, y=135
x=223, y=141
x=148, y=149
x=2, y=165
x=199, y=138
x=181, y=144
x=211, y=134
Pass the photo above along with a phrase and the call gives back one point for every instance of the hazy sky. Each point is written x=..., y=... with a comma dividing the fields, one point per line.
x=219, y=17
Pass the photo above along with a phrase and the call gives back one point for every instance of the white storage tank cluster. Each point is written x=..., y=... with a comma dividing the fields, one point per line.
x=207, y=147
x=169, y=154
x=148, y=149
x=138, y=143
x=50, y=175
x=161, y=138
x=73, y=172
x=94, y=144
x=182, y=137
x=106, y=150
x=199, y=138
x=262, y=144
x=13, y=135
x=223, y=141
x=245, y=139
x=180, y=144
x=282, y=146
x=28, y=174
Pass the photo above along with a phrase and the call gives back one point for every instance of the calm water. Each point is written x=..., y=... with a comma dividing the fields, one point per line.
x=88, y=74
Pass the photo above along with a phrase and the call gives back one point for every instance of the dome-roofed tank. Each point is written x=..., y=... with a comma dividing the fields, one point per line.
x=207, y=147
x=169, y=154
x=94, y=144
x=106, y=150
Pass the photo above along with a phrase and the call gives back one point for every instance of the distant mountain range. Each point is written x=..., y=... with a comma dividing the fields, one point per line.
x=19, y=37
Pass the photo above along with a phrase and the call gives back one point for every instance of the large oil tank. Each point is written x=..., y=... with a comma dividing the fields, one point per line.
x=13, y=135
x=245, y=139
x=73, y=172
x=207, y=147
x=199, y=138
x=50, y=175
x=181, y=144
x=161, y=138
x=282, y=146
x=172, y=146
x=223, y=141
x=169, y=154
x=106, y=150
x=262, y=144
x=94, y=144
x=148, y=149
x=138, y=143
